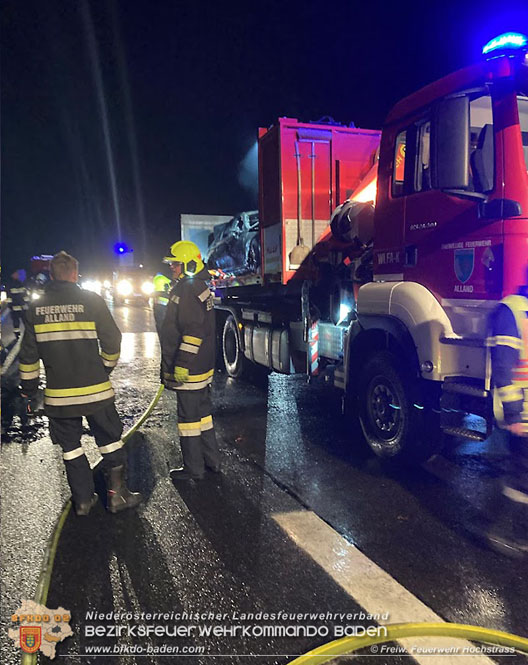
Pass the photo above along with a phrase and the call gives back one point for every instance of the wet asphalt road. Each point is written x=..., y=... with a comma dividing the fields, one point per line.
x=272, y=533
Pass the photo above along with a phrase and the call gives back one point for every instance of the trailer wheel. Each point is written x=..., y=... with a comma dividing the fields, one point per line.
x=394, y=420
x=231, y=349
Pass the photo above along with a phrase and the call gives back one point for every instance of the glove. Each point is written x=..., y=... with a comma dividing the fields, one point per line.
x=181, y=374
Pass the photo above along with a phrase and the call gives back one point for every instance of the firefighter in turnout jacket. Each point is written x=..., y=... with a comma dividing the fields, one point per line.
x=508, y=342
x=17, y=298
x=188, y=358
x=75, y=336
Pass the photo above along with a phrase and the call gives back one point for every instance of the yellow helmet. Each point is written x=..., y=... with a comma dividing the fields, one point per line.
x=161, y=282
x=188, y=254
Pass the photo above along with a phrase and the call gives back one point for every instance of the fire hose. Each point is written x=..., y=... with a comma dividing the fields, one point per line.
x=41, y=593
x=397, y=631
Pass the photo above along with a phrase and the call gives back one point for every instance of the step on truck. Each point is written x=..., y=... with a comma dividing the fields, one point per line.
x=383, y=253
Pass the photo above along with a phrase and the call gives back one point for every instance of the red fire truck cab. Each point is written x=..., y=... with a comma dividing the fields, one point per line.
x=391, y=302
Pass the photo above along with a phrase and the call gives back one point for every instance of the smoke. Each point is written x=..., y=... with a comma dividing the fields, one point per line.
x=248, y=171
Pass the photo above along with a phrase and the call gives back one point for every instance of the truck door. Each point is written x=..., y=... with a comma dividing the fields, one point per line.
x=447, y=248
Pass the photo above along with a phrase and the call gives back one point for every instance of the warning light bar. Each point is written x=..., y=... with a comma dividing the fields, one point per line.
x=507, y=42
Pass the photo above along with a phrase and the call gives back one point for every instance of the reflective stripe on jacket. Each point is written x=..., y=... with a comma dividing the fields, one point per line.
x=508, y=343
x=188, y=333
x=17, y=295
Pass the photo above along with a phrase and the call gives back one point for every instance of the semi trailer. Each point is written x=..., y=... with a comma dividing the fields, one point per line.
x=383, y=253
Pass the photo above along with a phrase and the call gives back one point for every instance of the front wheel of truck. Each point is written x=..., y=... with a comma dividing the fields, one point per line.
x=397, y=423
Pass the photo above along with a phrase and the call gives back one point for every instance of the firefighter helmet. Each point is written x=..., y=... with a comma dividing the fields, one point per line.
x=188, y=254
x=161, y=283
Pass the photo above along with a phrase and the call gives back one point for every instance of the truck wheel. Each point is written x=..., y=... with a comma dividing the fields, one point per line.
x=231, y=349
x=394, y=421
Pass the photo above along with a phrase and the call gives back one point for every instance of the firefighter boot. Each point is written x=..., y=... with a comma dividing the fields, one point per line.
x=119, y=496
x=83, y=508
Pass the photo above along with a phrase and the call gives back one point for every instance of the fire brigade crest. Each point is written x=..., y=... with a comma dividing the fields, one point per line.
x=464, y=264
x=38, y=628
x=30, y=638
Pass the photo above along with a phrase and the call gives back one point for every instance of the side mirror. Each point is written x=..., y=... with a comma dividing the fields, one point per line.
x=450, y=144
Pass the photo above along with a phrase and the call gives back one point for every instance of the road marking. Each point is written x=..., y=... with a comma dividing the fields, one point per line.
x=12, y=355
x=370, y=586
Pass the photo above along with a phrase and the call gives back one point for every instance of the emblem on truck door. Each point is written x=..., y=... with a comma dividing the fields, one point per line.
x=464, y=264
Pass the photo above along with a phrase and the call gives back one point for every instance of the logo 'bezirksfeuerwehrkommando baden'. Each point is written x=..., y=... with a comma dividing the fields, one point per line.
x=39, y=628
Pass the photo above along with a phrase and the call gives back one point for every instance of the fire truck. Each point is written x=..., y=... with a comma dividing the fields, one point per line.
x=389, y=302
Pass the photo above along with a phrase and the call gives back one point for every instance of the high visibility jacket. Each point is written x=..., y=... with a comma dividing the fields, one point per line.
x=17, y=295
x=188, y=333
x=161, y=290
x=74, y=334
x=508, y=342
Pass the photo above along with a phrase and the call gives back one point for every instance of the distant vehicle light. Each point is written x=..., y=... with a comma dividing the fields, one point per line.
x=35, y=295
x=107, y=284
x=508, y=41
x=92, y=285
x=147, y=288
x=124, y=287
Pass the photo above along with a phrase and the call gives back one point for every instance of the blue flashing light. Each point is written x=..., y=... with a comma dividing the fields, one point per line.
x=121, y=248
x=508, y=41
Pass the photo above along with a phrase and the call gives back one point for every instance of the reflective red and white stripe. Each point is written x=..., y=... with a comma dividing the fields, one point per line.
x=313, y=342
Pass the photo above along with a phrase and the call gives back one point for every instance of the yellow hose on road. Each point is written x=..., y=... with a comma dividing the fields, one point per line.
x=41, y=594
x=398, y=631
x=145, y=415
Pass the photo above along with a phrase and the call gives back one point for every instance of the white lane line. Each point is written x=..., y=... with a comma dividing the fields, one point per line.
x=369, y=585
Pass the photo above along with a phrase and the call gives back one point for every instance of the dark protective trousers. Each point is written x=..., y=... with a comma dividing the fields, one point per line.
x=159, y=314
x=196, y=430
x=510, y=505
x=106, y=427
x=17, y=316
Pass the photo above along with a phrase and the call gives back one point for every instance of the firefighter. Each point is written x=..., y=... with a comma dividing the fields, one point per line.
x=160, y=299
x=508, y=342
x=65, y=329
x=188, y=358
x=17, y=298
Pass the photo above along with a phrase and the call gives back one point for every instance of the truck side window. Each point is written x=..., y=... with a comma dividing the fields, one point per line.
x=481, y=145
x=423, y=172
x=523, y=119
x=398, y=173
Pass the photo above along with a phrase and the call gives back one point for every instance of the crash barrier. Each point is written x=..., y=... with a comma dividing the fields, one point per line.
x=398, y=631
x=41, y=593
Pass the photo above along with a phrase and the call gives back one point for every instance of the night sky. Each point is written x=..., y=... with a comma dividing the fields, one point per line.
x=136, y=111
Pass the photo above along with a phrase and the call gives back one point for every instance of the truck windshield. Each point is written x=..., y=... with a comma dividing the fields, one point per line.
x=523, y=118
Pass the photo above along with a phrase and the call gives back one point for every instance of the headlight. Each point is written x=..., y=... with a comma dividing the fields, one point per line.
x=147, y=288
x=106, y=284
x=94, y=285
x=35, y=295
x=124, y=288
x=3, y=296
